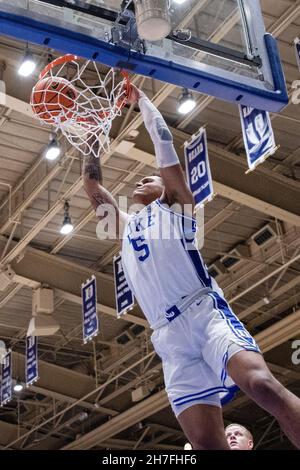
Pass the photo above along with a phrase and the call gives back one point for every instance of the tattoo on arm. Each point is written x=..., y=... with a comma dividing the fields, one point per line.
x=92, y=169
x=93, y=172
x=102, y=196
x=93, y=184
x=97, y=193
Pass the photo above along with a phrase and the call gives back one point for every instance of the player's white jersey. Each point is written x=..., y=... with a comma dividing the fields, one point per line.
x=160, y=260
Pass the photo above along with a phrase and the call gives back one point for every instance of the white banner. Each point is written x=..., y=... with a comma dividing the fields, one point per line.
x=124, y=296
x=198, y=169
x=258, y=135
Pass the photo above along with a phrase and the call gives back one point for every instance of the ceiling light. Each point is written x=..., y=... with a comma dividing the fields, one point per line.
x=188, y=446
x=27, y=66
x=67, y=226
x=18, y=387
x=186, y=102
x=53, y=149
x=83, y=416
x=179, y=2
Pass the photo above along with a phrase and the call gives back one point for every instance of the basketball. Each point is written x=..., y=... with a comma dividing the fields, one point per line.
x=53, y=100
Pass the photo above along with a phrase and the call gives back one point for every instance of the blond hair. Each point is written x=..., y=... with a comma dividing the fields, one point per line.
x=249, y=435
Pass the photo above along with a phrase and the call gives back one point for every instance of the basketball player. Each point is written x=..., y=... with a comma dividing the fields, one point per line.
x=238, y=437
x=205, y=349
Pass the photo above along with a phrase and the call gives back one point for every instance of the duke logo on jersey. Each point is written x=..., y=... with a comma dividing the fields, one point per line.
x=172, y=313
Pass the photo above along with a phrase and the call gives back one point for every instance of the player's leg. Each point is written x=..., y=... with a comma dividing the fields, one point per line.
x=192, y=387
x=250, y=372
x=204, y=428
x=227, y=338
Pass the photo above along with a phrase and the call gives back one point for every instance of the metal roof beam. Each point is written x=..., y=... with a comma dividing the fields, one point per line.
x=37, y=267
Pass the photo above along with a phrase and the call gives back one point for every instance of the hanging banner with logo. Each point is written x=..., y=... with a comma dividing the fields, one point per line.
x=297, y=47
x=6, y=378
x=31, y=368
x=198, y=169
x=258, y=135
x=124, y=296
x=90, y=322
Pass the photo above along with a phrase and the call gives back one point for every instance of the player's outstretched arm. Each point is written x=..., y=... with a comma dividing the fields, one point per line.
x=176, y=188
x=102, y=200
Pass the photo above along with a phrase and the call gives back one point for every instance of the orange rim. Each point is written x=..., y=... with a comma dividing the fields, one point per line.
x=127, y=86
x=59, y=61
x=70, y=58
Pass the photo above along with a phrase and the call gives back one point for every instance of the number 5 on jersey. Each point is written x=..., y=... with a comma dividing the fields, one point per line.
x=140, y=245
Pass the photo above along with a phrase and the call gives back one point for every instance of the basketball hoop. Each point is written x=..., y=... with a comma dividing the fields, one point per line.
x=81, y=100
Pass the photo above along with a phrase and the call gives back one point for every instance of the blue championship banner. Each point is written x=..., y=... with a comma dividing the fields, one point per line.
x=258, y=135
x=198, y=169
x=90, y=321
x=31, y=370
x=124, y=296
x=297, y=48
x=6, y=379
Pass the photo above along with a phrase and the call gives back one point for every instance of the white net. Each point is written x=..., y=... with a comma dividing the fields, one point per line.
x=81, y=99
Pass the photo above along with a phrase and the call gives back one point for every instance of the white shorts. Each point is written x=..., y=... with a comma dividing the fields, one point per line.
x=195, y=348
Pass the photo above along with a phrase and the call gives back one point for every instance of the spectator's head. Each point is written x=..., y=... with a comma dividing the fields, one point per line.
x=238, y=437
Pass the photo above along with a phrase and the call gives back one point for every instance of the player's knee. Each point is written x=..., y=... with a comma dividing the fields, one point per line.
x=262, y=384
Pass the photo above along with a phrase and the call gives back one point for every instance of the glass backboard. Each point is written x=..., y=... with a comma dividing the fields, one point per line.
x=216, y=47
